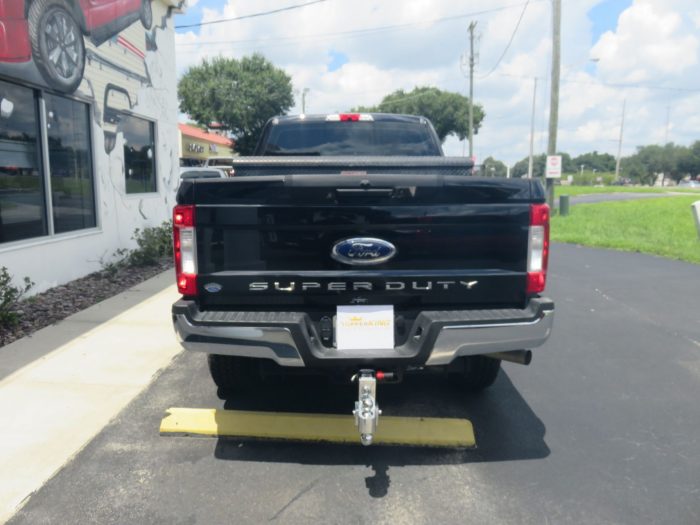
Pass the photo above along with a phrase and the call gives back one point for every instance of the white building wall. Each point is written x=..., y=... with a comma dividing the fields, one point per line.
x=51, y=261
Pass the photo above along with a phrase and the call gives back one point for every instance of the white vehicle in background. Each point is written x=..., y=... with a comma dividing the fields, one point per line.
x=225, y=163
x=202, y=173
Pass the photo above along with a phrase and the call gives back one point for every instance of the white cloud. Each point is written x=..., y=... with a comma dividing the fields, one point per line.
x=650, y=39
x=655, y=43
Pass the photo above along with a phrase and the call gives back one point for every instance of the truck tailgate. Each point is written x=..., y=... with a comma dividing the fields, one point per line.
x=267, y=241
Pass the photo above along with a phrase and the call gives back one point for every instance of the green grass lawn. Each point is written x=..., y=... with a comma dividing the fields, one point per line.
x=587, y=190
x=658, y=226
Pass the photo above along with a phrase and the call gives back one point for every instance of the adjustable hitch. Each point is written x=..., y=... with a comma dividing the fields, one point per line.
x=366, y=408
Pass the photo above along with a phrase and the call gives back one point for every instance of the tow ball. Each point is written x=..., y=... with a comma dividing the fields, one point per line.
x=367, y=410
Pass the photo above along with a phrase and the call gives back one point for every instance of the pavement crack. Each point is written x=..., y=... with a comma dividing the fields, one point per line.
x=295, y=498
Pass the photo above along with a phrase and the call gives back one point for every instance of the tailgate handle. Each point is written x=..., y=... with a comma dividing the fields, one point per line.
x=369, y=191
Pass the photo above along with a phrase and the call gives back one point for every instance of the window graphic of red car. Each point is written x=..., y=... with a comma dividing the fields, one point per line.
x=51, y=33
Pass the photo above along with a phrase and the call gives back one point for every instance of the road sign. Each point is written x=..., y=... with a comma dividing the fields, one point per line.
x=553, y=168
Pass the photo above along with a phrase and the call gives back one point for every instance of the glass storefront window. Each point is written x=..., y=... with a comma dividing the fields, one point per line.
x=26, y=210
x=22, y=202
x=70, y=161
x=139, y=154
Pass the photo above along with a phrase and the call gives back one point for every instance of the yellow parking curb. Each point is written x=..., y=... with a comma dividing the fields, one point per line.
x=328, y=428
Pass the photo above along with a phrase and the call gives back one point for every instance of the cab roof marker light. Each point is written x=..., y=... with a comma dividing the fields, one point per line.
x=350, y=117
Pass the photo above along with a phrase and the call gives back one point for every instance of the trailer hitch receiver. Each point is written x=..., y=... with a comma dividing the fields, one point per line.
x=366, y=409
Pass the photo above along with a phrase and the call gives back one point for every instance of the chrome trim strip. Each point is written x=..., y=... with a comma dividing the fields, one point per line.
x=492, y=325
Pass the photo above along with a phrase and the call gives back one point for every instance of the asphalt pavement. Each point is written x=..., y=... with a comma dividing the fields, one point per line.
x=602, y=427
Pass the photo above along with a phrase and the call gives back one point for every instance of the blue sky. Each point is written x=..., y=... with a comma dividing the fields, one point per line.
x=193, y=15
x=327, y=49
x=604, y=16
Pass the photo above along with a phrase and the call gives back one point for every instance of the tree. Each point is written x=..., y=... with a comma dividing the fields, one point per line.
x=539, y=163
x=521, y=167
x=634, y=168
x=240, y=94
x=689, y=161
x=493, y=168
x=567, y=165
x=661, y=159
x=601, y=162
x=448, y=111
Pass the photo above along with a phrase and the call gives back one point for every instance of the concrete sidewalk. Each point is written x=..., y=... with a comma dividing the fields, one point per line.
x=62, y=385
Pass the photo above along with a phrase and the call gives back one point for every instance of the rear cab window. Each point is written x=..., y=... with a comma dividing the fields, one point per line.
x=320, y=137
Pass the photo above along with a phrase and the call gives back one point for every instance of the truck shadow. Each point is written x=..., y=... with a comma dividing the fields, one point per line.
x=506, y=427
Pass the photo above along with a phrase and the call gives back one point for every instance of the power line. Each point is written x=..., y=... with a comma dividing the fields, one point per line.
x=512, y=37
x=253, y=15
x=350, y=32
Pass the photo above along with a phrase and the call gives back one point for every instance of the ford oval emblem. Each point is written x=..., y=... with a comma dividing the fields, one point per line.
x=361, y=251
x=212, y=287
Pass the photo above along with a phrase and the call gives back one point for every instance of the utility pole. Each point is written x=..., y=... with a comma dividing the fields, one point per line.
x=472, y=26
x=554, y=100
x=304, y=92
x=532, y=131
x=619, y=142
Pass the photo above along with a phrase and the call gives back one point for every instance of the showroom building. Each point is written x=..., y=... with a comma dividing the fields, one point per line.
x=88, y=132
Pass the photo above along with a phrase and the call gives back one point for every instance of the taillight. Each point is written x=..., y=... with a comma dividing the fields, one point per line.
x=185, y=249
x=538, y=248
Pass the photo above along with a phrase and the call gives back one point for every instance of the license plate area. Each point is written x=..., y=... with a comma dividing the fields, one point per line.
x=365, y=327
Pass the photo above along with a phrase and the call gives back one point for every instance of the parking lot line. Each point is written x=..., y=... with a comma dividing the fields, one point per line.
x=328, y=428
x=52, y=407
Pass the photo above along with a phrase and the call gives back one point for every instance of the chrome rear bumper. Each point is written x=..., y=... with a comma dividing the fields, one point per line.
x=436, y=338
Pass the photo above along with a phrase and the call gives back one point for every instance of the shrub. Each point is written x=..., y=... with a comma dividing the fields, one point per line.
x=588, y=178
x=9, y=297
x=153, y=244
x=112, y=267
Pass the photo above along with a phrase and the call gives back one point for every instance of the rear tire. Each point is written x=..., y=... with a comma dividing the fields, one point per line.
x=57, y=44
x=474, y=373
x=146, y=14
x=234, y=373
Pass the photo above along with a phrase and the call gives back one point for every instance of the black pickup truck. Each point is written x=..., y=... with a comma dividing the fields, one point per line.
x=350, y=246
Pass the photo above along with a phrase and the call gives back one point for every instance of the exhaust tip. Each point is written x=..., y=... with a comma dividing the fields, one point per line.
x=521, y=357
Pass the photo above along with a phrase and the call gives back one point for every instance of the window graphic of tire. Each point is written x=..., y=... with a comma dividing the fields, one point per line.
x=57, y=44
x=146, y=14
